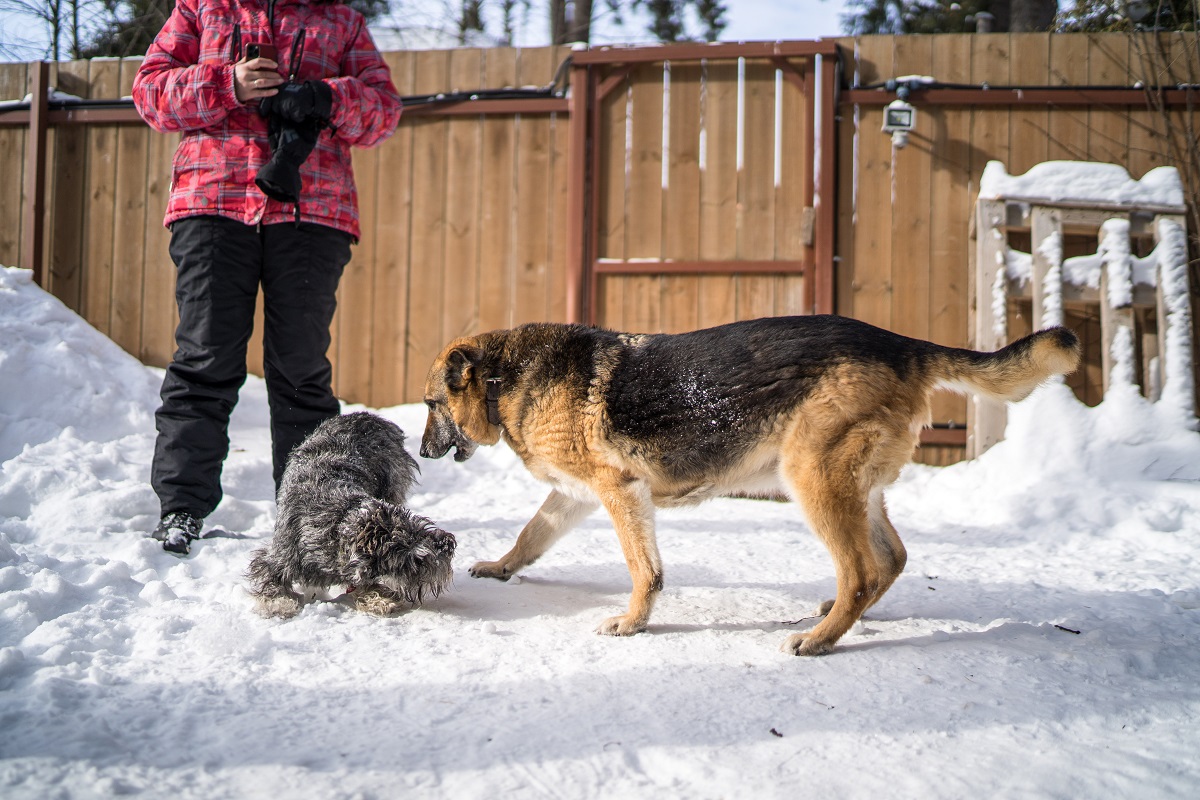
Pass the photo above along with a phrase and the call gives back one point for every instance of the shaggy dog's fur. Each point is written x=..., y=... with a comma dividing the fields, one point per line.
x=823, y=409
x=342, y=521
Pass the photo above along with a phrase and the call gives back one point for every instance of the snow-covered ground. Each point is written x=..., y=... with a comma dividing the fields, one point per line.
x=1044, y=640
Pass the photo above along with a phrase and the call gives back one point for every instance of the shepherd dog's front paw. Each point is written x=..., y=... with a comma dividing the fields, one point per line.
x=624, y=625
x=491, y=569
x=803, y=644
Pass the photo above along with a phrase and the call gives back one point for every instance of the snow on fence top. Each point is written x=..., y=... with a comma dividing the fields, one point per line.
x=1084, y=184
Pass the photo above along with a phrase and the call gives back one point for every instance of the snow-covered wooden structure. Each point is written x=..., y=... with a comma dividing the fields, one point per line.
x=1059, y=198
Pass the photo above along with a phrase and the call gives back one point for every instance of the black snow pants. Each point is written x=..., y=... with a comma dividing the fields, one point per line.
x=220, y=264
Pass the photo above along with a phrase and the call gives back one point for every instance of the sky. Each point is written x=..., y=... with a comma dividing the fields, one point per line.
x=749, y=20
x=1041, y=642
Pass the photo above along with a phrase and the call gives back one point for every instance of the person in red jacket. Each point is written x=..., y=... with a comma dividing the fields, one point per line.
x=269, y=96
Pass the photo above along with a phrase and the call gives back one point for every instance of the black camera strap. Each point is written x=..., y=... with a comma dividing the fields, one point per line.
x=297, y=52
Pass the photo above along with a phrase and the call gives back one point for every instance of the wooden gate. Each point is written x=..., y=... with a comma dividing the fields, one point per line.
x=703, y=183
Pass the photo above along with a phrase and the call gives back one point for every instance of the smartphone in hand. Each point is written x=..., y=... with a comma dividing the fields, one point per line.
x=261, y=50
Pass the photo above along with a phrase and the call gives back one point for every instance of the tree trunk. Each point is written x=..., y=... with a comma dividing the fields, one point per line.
x=573, y=27
x=1025, y=16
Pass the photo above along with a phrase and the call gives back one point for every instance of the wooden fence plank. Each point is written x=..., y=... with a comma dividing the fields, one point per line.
x=535, y=67
x=556, y=283
x=1156, y=135
x=1108, y=127
x=65, y=200
x=427, y=279
x=129, y=224
x=644, y=198
x=681, y=202
x=912, y=168
x=718, y=190
x=461, y=290
x=159, y=313
x=847, y=180
x=795, y=129
x=610, y=233
x=1028, y=127
x=392, y=235
x=1068, y=126
x=100, y=188
x=990, y=63
x=872, y=224
x=48, y=191
x=352, y=346
x=1147, y=134
x=756, y=189
x=13, y=79
x=498, y=182
x=951, y=201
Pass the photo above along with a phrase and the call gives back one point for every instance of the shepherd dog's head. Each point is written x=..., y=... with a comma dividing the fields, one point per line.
x=455, y=392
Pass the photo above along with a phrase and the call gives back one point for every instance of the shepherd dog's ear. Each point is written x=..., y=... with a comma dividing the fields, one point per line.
x=460, y=367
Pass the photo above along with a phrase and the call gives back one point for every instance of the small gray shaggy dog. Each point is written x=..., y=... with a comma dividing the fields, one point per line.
x=342, y=521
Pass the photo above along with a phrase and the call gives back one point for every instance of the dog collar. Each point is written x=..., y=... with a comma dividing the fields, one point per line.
x=492, y=400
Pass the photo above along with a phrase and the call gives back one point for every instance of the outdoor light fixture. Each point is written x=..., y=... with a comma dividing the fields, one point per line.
x=899, y=117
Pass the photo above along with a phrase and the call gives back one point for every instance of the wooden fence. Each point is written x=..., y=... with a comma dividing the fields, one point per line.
x=464, y=217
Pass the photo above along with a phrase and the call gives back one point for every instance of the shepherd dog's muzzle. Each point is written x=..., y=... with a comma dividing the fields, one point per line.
x=442, y=433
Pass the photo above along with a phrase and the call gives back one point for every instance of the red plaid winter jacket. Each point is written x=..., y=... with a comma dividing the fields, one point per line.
x=185, y=84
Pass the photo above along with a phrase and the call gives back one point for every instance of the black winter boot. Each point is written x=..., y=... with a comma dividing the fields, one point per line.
x=176, y=531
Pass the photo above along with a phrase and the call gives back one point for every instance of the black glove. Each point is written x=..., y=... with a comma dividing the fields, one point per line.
x=291, y=143
x=300, y=101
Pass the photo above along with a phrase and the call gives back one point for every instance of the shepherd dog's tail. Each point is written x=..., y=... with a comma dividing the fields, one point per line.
x=1012, y=372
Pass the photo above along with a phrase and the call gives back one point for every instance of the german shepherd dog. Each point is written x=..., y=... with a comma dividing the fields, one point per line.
x=823, y=408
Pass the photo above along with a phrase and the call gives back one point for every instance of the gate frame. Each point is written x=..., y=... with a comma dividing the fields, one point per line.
x=596, y=72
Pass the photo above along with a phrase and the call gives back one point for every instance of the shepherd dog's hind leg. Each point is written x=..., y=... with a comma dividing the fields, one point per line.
x=828, y=480
x=558, y=514
x=890, y=555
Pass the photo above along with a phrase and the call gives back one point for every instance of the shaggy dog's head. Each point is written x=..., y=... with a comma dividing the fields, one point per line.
x=400, y=550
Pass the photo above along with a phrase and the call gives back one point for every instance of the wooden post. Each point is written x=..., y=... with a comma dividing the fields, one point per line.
x=987, y=418
x=1046, y=234
x=1116, y=321
x=825, y=200
x=577, y=215
x=35, y=173
x=1174, y=317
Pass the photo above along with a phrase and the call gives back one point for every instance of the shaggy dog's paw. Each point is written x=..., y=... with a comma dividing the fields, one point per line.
x=800, y=644
x=490, y=569
x=379, y=602
x=825, y=608
x=281, y=606
x=624, y=625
